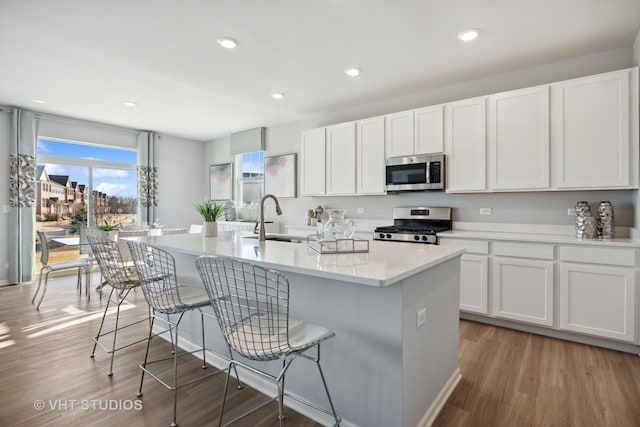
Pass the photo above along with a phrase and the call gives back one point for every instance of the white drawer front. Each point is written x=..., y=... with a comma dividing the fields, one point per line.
x=599, y=255
x=523, y=250
x=472, y=246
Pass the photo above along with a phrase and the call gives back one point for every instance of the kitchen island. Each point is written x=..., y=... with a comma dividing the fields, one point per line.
x=394, y=310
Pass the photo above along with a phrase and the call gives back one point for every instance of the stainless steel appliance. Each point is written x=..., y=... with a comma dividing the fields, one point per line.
x=415, y=173
x=416, y=225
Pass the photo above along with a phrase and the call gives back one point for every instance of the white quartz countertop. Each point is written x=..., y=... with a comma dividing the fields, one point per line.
x=385, y=264
x=537, y=237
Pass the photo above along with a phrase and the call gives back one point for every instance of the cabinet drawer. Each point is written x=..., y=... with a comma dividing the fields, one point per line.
x=472, y=246
x=601, y=255
x=523, y=250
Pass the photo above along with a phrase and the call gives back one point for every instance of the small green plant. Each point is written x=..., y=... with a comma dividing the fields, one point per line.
x=106, y=226
x=211, y=210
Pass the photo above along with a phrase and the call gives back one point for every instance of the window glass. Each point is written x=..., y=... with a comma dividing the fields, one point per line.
x=81, y=184
x=251, y=179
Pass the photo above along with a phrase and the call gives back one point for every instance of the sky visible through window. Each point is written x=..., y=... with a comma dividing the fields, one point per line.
x=113, y=182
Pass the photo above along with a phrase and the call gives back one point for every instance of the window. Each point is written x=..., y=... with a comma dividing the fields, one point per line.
x=81, y=184
x=250, y=178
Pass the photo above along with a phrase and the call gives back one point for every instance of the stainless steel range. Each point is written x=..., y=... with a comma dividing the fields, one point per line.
x=416, y=225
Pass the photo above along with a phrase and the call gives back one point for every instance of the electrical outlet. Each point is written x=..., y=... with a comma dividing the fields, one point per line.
x=360, y=211
x=571, y=211
x=485, y=211
x=421, y=317
x=5, y=209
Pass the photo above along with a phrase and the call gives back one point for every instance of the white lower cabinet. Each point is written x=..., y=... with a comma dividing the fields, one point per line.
x=474, y=274
x=474, y=283
x=598, y=300
x=523, y=290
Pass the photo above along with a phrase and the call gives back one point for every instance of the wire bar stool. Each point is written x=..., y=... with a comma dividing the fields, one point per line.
x=122, y=278
x=157, y=271
x=251, y=304
x=81, y=264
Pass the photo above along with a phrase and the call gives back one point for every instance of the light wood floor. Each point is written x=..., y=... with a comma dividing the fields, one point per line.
x=509, y=378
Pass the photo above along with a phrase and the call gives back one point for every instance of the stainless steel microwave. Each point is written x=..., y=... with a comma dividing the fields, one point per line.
x=415, y=173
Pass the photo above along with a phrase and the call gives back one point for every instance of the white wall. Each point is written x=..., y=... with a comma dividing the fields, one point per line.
x=5, y=134
x=535, y=208
x=180, y=165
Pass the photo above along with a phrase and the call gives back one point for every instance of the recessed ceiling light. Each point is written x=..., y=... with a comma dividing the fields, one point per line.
x=227, y=42
x=131, y=104
x=277, y=95
x=352, y=72
x=468, y=35
x=39, y=101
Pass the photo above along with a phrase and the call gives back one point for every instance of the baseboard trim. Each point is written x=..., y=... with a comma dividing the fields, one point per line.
x=432, y=413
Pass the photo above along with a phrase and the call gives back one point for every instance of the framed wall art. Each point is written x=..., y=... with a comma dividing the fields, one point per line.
x=221, y=181
x=280, y=175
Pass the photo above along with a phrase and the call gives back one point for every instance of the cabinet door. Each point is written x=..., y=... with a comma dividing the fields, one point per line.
x=518, y=133
x=313, y=162
x=598, y=300
x=399, y=134
x=341, y=159
x=428, y=130
x=591, y=131
x=523, y=290
x=465, y=145
x=473, y=283
x=370, y=172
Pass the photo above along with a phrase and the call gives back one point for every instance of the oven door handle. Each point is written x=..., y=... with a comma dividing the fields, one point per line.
x=428, y=173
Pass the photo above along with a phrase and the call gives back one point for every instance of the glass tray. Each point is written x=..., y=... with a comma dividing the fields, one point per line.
x=338, y=246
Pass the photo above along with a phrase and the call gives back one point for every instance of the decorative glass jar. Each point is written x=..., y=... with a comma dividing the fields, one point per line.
x=337, y=227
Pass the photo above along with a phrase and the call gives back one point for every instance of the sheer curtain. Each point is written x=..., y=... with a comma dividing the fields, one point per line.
x=22, y=196
x=147, y=177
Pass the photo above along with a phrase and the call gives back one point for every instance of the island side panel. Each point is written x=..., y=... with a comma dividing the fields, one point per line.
x=363, y=361
x=430, y=352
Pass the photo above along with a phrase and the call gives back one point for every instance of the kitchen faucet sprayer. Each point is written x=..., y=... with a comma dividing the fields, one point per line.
x=262, y=237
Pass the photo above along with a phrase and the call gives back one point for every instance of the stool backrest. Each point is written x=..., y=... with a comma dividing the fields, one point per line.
x=251, y=304
x=157, y=271
x=113, y=268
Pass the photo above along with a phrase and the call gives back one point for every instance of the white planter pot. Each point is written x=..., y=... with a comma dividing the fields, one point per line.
x=210, y=229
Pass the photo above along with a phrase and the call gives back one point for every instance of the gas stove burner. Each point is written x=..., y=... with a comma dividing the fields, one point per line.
x=416, y=225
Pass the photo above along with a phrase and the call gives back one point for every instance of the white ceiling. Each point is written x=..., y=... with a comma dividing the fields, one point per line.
x=86, y=57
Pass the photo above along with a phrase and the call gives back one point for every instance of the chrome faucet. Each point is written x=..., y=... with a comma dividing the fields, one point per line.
x=262, y=237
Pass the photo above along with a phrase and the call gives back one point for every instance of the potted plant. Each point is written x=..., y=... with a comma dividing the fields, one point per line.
x=110, y=230
x=211, y=211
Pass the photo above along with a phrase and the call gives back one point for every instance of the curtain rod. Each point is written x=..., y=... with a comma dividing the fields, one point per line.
x=46, y=116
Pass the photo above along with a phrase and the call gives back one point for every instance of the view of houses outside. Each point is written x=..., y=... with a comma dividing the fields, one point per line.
x=78, y=185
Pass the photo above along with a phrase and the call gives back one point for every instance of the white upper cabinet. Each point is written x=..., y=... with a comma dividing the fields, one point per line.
x=518, y=139
x=313, y=162
x=370, y=170
x=399, y=134
x=341, y=159
x=591, y=131
x=428, y=130
x=465, y=145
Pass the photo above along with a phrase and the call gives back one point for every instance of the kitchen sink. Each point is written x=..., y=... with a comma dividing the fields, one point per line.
x=281, y=238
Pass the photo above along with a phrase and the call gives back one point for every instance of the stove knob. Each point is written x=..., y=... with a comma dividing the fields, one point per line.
x=425, y=238
x=382, y=235
x=388, y=236
x=416, y=237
